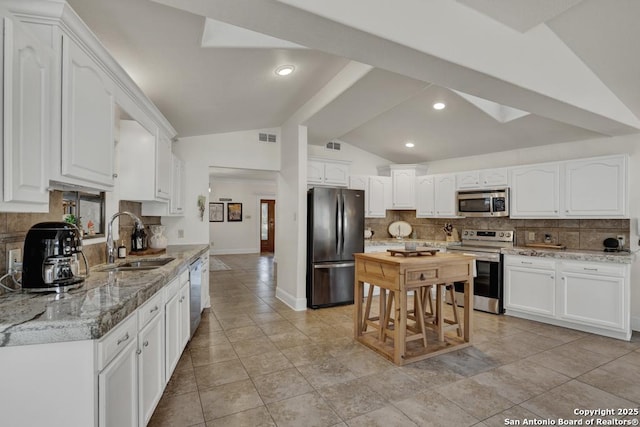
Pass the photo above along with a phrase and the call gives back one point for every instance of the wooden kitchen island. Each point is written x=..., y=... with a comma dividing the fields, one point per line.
x=397, y=276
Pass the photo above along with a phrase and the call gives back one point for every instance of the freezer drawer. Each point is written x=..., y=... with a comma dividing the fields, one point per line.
x=331, y=284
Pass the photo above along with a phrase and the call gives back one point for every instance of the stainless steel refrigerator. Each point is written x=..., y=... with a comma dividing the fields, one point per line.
x=335, y=231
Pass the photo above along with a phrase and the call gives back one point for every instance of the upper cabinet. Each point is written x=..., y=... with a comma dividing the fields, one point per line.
x=377, y=193
x=486, y=178
x=403, y=184
x=327, y=172
x=586, y=188
x=26, y=116
x=176, y=203
x=88, y=106
x=535, y=191
x=596, y=187
x=436, y=196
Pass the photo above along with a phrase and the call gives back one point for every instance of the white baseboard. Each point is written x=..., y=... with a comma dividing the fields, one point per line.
x=233, y=251
x=635, y=323
x=297, y=304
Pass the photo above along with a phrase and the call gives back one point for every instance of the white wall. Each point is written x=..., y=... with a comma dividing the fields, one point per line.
x=362, y=162
x=232, y=150
x=572, y=150
x=239, y=237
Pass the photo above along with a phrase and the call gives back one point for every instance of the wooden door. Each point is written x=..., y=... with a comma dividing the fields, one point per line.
x=267, y=225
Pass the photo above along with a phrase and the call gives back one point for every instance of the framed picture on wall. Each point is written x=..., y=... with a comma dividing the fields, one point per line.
x=216, y=212
x=234, y=212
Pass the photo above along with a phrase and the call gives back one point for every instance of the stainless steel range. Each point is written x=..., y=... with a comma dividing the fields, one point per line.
x=485, y=245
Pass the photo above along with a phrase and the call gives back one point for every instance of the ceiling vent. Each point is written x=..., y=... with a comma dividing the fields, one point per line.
x=333, y=146
x=267, y=137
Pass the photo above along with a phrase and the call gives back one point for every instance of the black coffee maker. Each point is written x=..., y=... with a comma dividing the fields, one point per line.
x=50, y=257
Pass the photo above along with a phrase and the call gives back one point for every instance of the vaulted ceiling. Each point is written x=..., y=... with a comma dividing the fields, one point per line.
x=513, y=73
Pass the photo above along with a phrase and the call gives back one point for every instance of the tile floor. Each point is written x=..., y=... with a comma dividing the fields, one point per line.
x=255, y=362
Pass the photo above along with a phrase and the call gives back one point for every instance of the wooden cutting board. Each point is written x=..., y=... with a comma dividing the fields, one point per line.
x=546, y=246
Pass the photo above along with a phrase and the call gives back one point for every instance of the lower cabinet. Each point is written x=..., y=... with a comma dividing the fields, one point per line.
x=151, y=378
x=118, y=389
x=589, y=296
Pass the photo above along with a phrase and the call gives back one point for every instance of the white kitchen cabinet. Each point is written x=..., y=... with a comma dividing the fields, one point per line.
x=535, y=191
x=118, y=389
x=144, y=164
x=328, y=172
x=26, y=116
x=486, y=178
x=185, y=310
x=176, y=204
x=151, y=361
x=596, y=187
x=403, y=184
x=594, y=294
x=172, y=327
x=436, y=196
x=377, y=193
x=205, y=298
x=530, y=285
x=88, y=101
x=584, y=295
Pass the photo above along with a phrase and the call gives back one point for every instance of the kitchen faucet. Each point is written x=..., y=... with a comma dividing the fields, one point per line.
x=110, y=249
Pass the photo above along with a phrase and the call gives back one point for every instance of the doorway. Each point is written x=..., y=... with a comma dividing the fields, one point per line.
x=267, y=225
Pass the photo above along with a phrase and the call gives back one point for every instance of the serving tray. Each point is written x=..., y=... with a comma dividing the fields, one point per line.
x=415, y=252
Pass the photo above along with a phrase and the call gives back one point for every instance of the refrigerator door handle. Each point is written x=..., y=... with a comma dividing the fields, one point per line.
x=345, y=225
x=334, y=265
x=339, y=224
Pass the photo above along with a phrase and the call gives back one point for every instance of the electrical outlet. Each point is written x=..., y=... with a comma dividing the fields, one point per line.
x=13, y=256
x=532, y=236
x=621, y=239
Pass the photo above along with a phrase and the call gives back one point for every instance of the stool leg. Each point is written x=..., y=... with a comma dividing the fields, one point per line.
x=439, y=314
x=387, y=316
x=454, y=305
x=367, y=309
x=419, y=310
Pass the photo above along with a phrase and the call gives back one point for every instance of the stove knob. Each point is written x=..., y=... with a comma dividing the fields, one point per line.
x=465, y=233
x=471, y=233
x=501, y=234
x=508, y=234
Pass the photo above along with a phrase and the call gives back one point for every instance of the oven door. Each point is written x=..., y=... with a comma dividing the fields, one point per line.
x=487, y=286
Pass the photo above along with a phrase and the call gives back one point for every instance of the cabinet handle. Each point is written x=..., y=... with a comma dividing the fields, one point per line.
x=154, y=309
x=526, y=262
x=590, y=269
x=552, y=277
x=115, y=175
x=181, y=299
x=555, y=211
x=146, y=343
x=563, y=278
x=123, y=339
x=138, y=351
x=422, y=277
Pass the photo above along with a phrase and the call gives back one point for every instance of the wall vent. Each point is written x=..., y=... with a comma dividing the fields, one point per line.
x=333, y=146
x=267, y=137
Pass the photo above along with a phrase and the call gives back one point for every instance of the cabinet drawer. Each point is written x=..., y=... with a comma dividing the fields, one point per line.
x=532, y=262
x=592, y=268
x=184, y=277
x=171, y=289
x=117, y=339
x=414, y=277
x=150, y=309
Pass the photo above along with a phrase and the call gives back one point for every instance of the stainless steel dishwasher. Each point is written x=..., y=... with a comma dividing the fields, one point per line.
x=195, y=280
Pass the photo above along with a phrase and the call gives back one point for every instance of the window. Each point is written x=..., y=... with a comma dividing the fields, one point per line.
x=86, y=210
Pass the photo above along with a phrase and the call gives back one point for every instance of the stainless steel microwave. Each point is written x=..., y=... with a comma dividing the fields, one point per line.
x=483, y=203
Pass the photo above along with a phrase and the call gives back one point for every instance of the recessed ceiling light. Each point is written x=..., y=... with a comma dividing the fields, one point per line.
x=409, y=145
x=439, y=106
x=285, y=70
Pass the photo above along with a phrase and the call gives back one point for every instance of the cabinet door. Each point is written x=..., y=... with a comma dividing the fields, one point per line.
x=468, y=179
x=164, y=168
x=118, y=390
x=596, y=187
x=315, y=172
x=493, y=178
x=535, y=191
x=404, y=188
x=185, y=316
x=530, y=290
x=445, y=195
x=361, y=182
x=204, y=286
x=176, y=203
x=376, y=203
x=27, y=86
x=336, y=174
x=87, y=118
x=172, y=334
x=425, y=196
x=150, y=367
x=593, y=300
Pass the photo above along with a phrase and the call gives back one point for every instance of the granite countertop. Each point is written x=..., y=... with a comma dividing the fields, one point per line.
x=91, y=311
x=400, y=242
x=574, y=255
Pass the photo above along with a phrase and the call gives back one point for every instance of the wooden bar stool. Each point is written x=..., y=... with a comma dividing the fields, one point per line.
x=418, y=329
x=375, y=321
x=440, y=322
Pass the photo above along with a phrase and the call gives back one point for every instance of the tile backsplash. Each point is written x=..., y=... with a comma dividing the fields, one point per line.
x=14, y=227
x=582, y=234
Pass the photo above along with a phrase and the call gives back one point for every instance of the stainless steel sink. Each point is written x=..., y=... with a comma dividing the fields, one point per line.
x=143, y=264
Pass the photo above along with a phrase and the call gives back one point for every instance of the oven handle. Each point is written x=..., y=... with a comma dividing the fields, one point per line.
x=480, y=256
